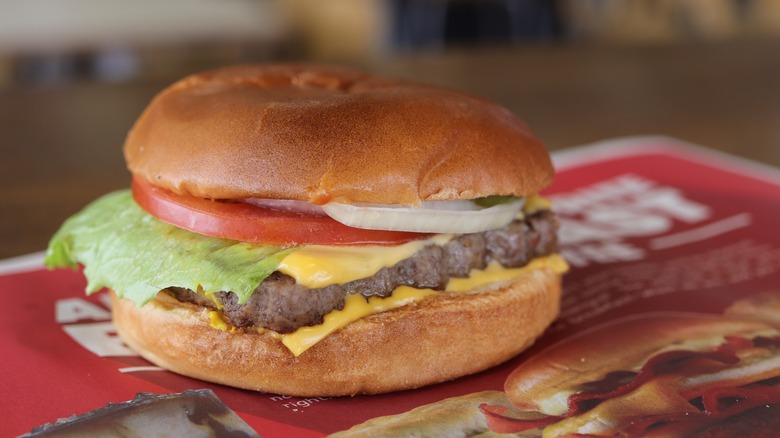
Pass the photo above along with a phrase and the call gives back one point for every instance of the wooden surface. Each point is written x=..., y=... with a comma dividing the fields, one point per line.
x=61, y=146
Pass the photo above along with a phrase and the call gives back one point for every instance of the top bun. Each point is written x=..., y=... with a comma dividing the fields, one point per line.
x=322, y=134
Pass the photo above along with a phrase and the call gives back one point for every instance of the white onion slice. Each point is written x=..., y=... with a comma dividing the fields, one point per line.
x=458, y=217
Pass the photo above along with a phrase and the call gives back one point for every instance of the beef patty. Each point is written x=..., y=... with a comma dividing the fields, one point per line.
x=282, y=305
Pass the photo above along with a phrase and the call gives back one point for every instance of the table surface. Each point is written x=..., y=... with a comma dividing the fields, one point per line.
x=61, y=145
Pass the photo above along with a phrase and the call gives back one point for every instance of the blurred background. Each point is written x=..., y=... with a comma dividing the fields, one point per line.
x=74, y=74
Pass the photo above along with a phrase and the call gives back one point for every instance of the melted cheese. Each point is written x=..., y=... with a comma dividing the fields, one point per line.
x=495, y=274
x=356, y=307
x=316, y=266
x=216, y=321
x=536, y=203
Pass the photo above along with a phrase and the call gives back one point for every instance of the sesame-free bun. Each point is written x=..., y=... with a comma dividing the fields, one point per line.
x=443, y=337
x=323, y=134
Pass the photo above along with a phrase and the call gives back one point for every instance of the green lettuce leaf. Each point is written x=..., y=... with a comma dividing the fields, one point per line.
x=125, y=249
x=493, y=200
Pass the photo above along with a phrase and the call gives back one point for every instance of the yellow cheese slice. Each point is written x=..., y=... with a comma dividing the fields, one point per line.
x=216, y=321
x=496, y=274
x=536, y=203
x=316, y=266
x=356, y=307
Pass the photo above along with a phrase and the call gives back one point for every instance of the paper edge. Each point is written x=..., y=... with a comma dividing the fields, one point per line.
x=624, y=147
x=22, y=263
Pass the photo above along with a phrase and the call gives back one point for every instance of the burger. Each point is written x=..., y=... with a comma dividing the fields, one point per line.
x=319, y=231
x=658, y=374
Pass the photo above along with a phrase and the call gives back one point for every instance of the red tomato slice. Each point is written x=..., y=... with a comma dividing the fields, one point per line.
x=249, y=223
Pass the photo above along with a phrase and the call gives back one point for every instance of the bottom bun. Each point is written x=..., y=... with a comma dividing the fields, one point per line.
x=443, y=337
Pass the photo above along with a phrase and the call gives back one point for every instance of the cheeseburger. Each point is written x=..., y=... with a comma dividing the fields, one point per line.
x=318, y=231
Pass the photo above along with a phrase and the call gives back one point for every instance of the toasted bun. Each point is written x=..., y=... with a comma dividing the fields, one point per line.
x=443, y=337
x=328, y=134
x=622, y=345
